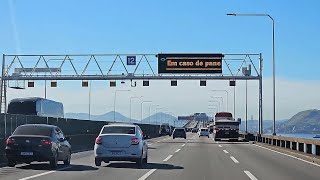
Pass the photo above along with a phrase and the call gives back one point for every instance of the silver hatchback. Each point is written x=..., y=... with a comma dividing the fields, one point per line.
x=121, y=142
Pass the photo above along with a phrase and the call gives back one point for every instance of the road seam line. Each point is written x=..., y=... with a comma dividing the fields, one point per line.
x=234, y=160
x=45, y=173
x=145, y=176
x=166, y=159
x=225, y=151
x=251, y=176
x=287, y=155
x=177, y=150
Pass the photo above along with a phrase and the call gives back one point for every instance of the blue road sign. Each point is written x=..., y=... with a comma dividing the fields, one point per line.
x=131, y=60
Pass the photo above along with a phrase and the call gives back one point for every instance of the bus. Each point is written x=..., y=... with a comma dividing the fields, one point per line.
x=225, y=127
x=36, y=106
x=164, y=129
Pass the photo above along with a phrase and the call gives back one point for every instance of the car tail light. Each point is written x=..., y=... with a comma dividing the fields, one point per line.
x=10, y=141
x=98, y=140
x=134, y=141
x=46, y=142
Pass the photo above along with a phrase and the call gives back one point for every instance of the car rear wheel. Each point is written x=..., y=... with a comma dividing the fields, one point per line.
x=140, y=162
x=145, y=160
x=11, y=163
x=54, y=161
x=68, y=159
x=97, y=162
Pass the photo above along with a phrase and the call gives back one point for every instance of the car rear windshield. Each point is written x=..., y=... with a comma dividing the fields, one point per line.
x=118, y=130
x=204, y=129
x=33, y=130
x=179, y=130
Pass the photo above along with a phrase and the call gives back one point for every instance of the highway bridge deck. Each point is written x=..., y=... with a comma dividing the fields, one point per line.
x=193, y=158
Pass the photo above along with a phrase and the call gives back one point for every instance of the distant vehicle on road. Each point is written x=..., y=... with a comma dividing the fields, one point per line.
x=165, y=129
x=121, y=142
x=36, y=106
x=211, y=128
x=225, y=127
x=38, y=142
x=203, y=132
x=179, y=133
x=194, y=130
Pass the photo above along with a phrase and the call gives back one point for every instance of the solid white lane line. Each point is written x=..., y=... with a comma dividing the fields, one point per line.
x=234, y=159
x=220, y=145
x=251, y=176
x=177, y=150
x=166, y=159
x=45, y=173
x=183, y=145
x=225, y=151
x=288, y=155
x=147, y=174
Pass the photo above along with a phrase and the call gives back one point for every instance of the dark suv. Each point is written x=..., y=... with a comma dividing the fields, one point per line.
x=38, y=142
x=179, y=132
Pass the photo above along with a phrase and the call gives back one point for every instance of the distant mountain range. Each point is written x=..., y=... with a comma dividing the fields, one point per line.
x=253, y=125
x=110, y=116
x=304, y=122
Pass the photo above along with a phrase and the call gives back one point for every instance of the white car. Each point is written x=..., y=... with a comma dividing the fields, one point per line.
x=121, y=142
x=203, y=132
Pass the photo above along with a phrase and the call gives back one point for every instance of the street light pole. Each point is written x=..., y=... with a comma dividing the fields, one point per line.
x=246, y=106
x=227, y=97
x=212, y=107
x=160, y=114
x=114, y=104
x=218, y=103
x=155, y=110
x=142, y=107
x=90, y=101
x=130, y=105
x=273, y=64
x=219, y=97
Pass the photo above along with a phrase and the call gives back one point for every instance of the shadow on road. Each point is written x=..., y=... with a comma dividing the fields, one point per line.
x=148, y=166
x=45, y=166
x=78, y=167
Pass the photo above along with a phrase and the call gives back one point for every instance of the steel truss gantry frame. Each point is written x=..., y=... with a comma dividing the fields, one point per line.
x=37, y=67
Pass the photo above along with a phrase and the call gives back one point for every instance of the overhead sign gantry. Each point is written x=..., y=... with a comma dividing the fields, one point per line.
x=113, y=67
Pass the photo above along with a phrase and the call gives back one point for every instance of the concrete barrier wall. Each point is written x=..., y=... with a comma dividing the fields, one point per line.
x=308, y=146
x=82, y=132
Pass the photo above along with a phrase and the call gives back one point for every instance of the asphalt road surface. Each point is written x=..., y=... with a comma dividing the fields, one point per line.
x=193, y=158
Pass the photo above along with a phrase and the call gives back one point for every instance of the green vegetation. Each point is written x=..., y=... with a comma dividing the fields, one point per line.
x=307, y=122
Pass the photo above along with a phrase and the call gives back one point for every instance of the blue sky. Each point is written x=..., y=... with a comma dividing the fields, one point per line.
x=79, y=27
x=167, y=26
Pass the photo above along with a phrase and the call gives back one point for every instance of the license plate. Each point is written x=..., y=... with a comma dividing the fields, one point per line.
x=116, y=152
x=27, y=153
